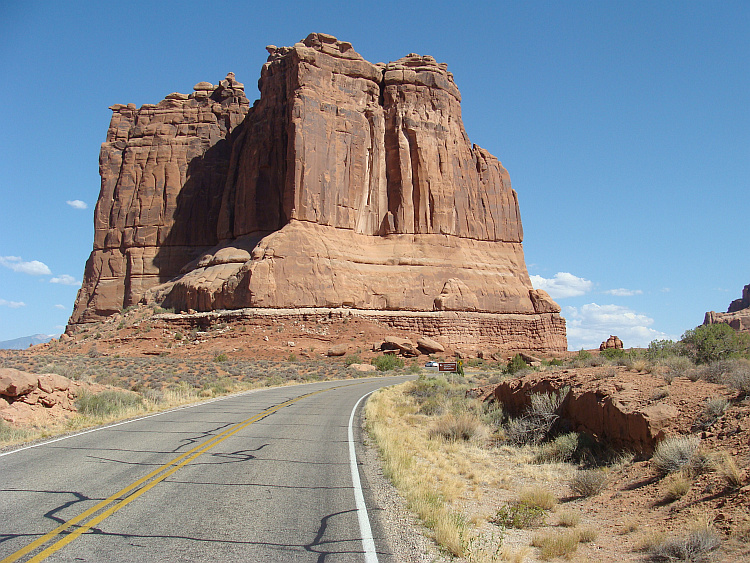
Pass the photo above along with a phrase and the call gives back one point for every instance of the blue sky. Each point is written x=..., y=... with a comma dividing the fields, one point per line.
x=625, y=127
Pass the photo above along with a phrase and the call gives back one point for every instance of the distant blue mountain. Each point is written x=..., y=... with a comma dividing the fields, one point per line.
x=25, y=341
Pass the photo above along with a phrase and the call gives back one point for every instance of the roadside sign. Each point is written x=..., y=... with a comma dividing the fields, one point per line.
x=448, y=366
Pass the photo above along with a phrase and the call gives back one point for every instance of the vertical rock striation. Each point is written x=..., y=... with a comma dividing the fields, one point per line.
x=163, y=169
x=347, y=184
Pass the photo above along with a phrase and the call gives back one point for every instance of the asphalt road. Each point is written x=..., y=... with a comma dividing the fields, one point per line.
x=263, y=476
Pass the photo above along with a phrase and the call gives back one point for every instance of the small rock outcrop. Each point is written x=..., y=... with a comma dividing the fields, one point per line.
x=737, y=315
x=25, y=397
x=612, y=343
x=347, y=184
x=623, y=414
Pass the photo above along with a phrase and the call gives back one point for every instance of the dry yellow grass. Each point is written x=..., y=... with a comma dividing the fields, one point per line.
x=439, y=477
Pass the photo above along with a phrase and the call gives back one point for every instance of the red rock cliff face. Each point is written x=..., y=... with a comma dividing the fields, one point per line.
x=347, y=184
x=163, y=169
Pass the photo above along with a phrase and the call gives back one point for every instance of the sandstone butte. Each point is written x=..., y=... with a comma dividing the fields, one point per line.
x=346, y=185
x=737, y=315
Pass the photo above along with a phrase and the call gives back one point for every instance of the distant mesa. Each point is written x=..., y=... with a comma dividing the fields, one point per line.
x=346, y=185
x=737, y=315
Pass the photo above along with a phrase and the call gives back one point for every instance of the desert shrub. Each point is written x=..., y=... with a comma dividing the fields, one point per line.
x=492, y=414
x=710, y=343
x=696, y=546
x=464, y=426
x=554, y=545
x=292, y=357
x=738, y=377
x=676, y=366
x=415, y=368
x=352, y=359
x=535, y=424
x=588, y=482
x=388, y=362
x=519, y=515
x=106, y=403
x=676, y=486
x=515, y=364
x=713, y=410
x=537, y=496
x=613, y=353
x=560, y=450
x=662, y=349
x=583, y=355
x=674, y=453
x=222, y=357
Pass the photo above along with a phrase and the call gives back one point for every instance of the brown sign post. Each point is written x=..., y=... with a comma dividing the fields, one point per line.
x=448, y=366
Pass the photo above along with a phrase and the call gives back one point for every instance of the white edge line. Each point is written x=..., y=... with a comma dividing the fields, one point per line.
x=368, y=543
x=190, y=406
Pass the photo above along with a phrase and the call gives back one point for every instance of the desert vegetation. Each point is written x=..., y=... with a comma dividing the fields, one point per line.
x=522, y=484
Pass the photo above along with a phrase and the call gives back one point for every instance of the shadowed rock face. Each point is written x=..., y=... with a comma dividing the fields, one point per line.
x=347, y=184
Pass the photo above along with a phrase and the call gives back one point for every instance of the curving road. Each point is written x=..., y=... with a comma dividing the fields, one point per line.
x=261, y=476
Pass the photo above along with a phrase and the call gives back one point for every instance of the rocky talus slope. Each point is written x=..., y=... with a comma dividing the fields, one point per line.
x=347, y=184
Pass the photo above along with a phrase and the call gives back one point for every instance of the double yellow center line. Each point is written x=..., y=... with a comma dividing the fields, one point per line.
x=125, y=496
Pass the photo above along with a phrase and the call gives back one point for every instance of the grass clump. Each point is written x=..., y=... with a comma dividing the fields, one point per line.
x=457, y=427
x=388, y=362
x=537, y=496
x=568, y=519
x=674, y=453
x=107, y=403
x=588, y=482
x=10, y=434
x=554, y=545
x=676, y=486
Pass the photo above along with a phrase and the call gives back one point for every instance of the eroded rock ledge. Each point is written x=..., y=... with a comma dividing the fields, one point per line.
x=347, y=184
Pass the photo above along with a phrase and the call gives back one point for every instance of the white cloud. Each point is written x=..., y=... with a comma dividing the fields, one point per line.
x=590, y=325
x=622, y=292
x=562, y=285
x=12, y=304
x=34, y=267
x=65, y=279
x=77, y=204
x=58, y=306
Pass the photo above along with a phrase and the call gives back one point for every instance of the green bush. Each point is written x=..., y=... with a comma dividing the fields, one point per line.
x=710, y=343
x=613, y=353
x=221, y=357
x=106, y=403
x=388, y=362
x=352, y=359
x=519, y=516
x=515, y=364
x=660, y=349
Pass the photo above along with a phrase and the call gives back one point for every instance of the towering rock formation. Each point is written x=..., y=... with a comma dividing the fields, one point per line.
x=348, y=184
x=737, y=315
